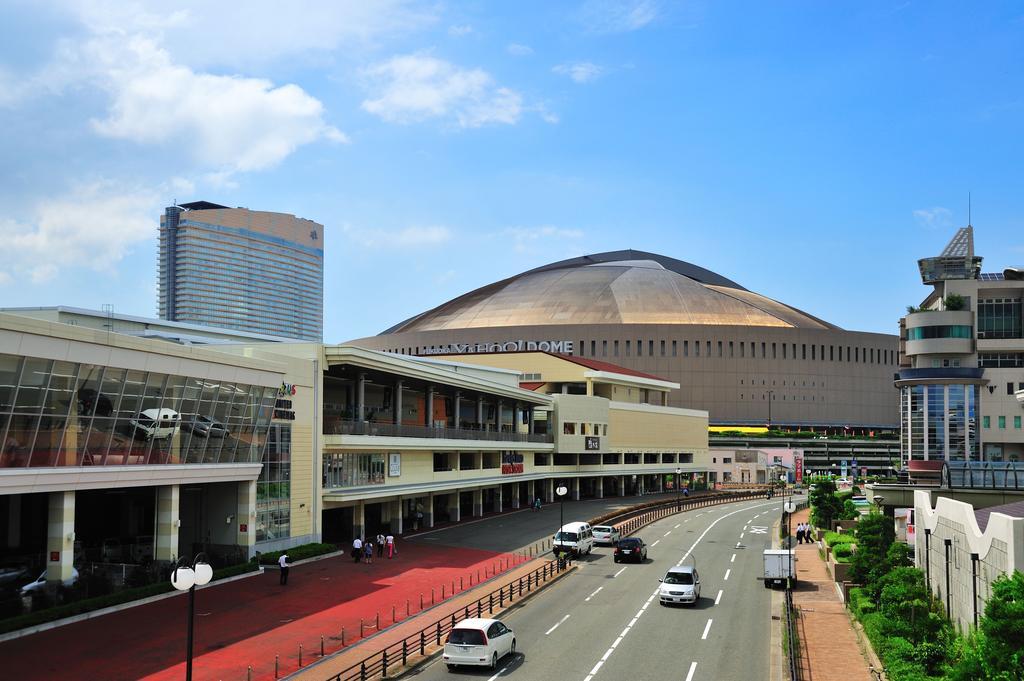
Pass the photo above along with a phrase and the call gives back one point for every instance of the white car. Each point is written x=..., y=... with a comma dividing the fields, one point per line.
x=478, y=642
x=156, y=423
x=41, y=582
x=680, y=585
x=605, y=534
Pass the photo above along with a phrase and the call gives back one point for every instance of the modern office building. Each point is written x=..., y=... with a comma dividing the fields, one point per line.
x=961, y=372
x=744, y=358
x=235, y=268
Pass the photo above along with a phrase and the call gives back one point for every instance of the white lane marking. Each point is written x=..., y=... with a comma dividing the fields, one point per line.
x=693, y=668
x=758, y=530
x=745, y=527
x=741, y=534
x=596, y=667
x=737, y=544
x=733, y=559
x=656, y=543
x=606, y=654
x=631, y=623
x=707, y=628
x=617, y=642
x=727, y=575
x=500, y=672
x=718, y=599
x=676, y=527
x=667, y=533
x=556, y=625
x=593, y=594
x=619, y=572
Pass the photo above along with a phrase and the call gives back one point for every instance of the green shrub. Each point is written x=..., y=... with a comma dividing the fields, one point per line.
x=842, y=552
x=300, y=552
x=860, y=602
x=834, y=538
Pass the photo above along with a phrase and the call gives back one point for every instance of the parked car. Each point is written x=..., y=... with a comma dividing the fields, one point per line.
x=204, y=426
x=630, y=548
x=606, y=534
x=11, y=575
x=478, y=642
x=680, y=585
x=41, y=582
x=156, y=423
x=575, y=539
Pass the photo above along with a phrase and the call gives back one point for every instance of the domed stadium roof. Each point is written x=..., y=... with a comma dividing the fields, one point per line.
x=618, y=287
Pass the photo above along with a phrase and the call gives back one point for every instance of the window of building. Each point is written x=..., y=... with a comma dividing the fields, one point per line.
x=696, y=348
x=541, y=459
x=583, y=347
x=568, y=428
x=774, y=354
x=794, y=350
x=726, y=459
x=615, y=348
x=999, y=318
x=986, y=422
x=942, y=331
x=783, y=351
x=708, y=349
x=803, y=351
x=604, y=348
x=627, y=348
x=813, y=352
x=1002, y=422
x=764, y=350
x=741, y=349
x=1009, y=388
x=1016, y=422
x=686, y=457
x=997, y=360
x=593, y=348
x=663, y=348
x=674, y=347
x=353, y=470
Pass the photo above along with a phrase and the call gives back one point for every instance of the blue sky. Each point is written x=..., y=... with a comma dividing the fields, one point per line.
x=810, y=151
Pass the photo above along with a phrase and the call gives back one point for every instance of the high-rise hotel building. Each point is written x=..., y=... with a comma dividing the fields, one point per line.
x=241, y=269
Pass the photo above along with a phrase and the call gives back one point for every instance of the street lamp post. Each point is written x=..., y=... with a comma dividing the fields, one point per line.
x=679, y=489
x=187, y=577
x=561, y=491
x=770, y=394
x=788, y=508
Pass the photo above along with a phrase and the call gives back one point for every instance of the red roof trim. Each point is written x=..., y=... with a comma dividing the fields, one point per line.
x=530, y=385
x=598, y=365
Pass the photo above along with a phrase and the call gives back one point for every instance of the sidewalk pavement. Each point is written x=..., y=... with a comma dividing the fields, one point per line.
x=830, y=648
x=353, y=655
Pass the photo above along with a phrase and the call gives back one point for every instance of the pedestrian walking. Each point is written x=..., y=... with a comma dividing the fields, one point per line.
x=283, y=562
x=368, y=551
x=357, y=549
x=800, y=533
x=380, y=545
x=390, y=539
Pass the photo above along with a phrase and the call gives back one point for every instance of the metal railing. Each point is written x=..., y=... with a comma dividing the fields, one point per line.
x=792, y=648
x=631, y=521
x=983, y=475
x=431, y=636
x=347, y=427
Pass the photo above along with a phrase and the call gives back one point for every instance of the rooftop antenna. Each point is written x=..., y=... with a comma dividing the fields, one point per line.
x=968, y=209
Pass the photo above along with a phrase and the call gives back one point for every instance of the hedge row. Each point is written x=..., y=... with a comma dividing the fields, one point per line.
x=300, y=552
x=835, y=538
x=99, y=602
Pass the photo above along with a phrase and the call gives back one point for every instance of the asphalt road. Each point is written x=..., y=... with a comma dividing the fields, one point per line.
x=512, y=531
x=605, y=622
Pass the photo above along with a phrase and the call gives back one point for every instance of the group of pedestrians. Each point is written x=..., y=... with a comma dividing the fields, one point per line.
x=362, y=551
x=803, y=533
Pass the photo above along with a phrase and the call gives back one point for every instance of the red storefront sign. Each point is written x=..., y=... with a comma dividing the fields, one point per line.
x=798, y=468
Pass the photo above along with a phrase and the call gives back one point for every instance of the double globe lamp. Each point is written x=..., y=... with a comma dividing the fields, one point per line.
x=186, y=577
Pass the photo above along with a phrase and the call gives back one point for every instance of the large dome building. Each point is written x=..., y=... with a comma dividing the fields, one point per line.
x=745, y=358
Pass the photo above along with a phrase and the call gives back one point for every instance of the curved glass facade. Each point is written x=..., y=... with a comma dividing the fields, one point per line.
x=947, y=331
x=55, y=413
x=938, y=422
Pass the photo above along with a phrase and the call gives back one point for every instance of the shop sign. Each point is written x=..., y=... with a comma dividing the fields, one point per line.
x=394, y=464
x=511, y=463
x=561, y=346
x=798, y=468
x=286, y=389
x=54, y=556
x=243, y=527
x=591, y=443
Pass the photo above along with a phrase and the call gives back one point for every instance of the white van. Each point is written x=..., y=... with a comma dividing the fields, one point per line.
x=157, y=423
x=576, y=539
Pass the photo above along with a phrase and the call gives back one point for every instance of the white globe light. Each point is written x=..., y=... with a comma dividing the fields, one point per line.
x=204, y=573
x=561, y=490
x=183, y=579
x=790, y=507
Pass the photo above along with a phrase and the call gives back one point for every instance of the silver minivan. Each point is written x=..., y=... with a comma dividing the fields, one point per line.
x=576, y=539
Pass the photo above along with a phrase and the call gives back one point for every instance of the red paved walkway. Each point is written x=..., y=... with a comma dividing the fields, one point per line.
x=246, y=622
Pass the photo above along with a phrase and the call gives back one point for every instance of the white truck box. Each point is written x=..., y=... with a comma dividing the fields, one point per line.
x=778, y=565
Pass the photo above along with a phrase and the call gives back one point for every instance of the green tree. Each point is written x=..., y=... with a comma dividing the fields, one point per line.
x=1003, y=626
x=825, y=505
x=899, y=555
x=954, y=301
x=875, y=534
x=849, y=510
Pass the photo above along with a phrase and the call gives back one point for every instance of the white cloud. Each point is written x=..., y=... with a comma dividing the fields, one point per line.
x=415, y=87
x=617, y=16
x=580, y=72
x=934, y=218
x=519, y=50
x=459, y=30
x=201, y=33
x=529, y=239
x=409, y=237
x=228, y=122
x=54, y=235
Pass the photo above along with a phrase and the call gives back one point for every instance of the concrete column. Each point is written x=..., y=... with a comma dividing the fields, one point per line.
x=396, y=516
x=600, y=488
x=480, y=412
x=497, y=499
x=454, y=509
x=661, y=483
x=359, y=520
x=60, y=537
x=456, y=406
x=497, y=416
x=398, y=402
x=622, y=485
x=246, y=515
x=515, y=495
x=430, y=406
x=361, y=398
x=574, y=490
x=531, y=490
x=167, y=522
x=428, y=512
x=549, y=490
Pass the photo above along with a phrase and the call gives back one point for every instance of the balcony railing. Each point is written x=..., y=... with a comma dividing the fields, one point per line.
x=344, y=427
x=997, y=475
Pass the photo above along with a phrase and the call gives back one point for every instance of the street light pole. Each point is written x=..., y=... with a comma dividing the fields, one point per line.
x=187, y=577
x=770, y=394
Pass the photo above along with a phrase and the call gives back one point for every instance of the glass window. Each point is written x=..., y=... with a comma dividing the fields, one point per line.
x=947, y=331
x=1016, y=422
x=986, y=422
x=1002, y=422
x=615, y=350
x=999, y=318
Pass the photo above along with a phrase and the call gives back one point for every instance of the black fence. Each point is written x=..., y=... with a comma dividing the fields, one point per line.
x=792, y=644
x=631, y=521
x=466, y=432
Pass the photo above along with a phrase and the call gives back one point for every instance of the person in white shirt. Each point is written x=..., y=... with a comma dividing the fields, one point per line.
x=380, y=545
x=357, y=549
x=283, y=562
x=390, y=539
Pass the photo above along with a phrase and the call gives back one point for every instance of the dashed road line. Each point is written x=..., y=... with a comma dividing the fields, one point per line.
x=718, y=598
x=556, y=625
x=593, y=594
x=619, y=572
x=656, y=543
x=693, y=668
x=500, y=672
x=733, y=559
x=707, y=628
x=727, y=572
x=676, y=527
x=667, y=533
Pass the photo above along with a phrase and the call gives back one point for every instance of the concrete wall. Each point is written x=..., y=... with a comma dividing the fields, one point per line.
x=999, y=550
